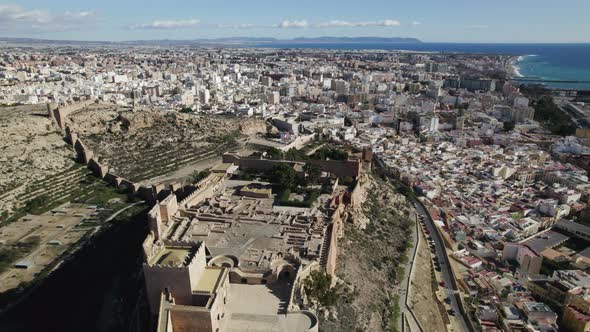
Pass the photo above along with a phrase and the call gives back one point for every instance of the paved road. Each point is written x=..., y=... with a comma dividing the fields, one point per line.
x=441, y=254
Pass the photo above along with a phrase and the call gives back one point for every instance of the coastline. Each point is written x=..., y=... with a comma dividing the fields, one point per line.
x=515, y=67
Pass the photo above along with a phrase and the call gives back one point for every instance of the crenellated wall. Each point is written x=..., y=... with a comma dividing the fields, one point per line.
x=59, y=113
x=340, y=168
x=204, y=189
x=174, y=279
x=97, y=168
x=86, y=155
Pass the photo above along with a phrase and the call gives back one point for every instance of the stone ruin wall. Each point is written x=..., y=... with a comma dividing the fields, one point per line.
x=340, y=168
x=59, y=113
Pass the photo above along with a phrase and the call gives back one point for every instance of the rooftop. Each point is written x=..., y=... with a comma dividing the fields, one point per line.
x=545, y=240
x=209, y=280
x=171, y=257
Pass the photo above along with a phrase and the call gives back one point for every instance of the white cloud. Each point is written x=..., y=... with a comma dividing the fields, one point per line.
x=83, y=14
x=293, y=24
x=238, y=26
x=388, y=23
x=168, y=24
x=14, y=17
x=416, y=23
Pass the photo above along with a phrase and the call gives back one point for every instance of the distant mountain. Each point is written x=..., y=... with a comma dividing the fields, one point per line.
x=228, y=41
x=355, y=40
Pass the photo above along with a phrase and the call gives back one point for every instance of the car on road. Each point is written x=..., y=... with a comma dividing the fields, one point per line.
x=442, y=284
x=451, y=312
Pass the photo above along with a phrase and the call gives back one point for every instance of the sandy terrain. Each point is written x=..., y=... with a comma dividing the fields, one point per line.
x=31, y=150
x=63, y=227
x=423, y=300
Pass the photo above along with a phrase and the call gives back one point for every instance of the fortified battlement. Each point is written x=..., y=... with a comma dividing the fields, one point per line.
x=175, y=266
x=340, y=168
x=176, y=254
x=204, y=189
x=59, y=113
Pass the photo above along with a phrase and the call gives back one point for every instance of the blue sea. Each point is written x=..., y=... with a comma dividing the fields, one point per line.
x=561, y=62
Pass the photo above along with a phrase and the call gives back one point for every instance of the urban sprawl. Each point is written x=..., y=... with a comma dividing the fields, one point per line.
x=269, y=174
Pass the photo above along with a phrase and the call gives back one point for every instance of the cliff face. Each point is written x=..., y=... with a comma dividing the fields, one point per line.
x=368, y=259
x=252, y=127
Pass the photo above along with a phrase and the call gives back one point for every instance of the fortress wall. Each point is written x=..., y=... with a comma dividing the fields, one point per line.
x=156, y=228
x=175, y=279
x=205, y=188
x=149, y=247
x=262, y=164
x=112, y=179
x=299, y=142
x=340, y=168
x=158, y=187
x=356, y=195
x=168, y=208
x=128, y=185
x=73, y=138
x=147, y=193
x=297, y=289
x=197, y=266
x=97, y=168
x=188, y=319
x=69, y=135
x=59, y=113
x=337, y=231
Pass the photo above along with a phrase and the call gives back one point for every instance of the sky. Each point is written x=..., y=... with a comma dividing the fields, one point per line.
x=498, y=21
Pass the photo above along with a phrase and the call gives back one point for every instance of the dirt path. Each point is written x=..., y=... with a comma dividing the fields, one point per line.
x=422, y=297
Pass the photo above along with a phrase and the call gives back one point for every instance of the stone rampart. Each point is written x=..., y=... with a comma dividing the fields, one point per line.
x=340, y=168
x=59, y=113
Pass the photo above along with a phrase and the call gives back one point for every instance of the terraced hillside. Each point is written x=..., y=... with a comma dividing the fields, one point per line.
x=74, y=184
x=141, y=145
x=31, y=151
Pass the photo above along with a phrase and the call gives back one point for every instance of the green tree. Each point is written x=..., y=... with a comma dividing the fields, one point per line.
x=294, y=154
x=584, y=217
x=318, y=288
x=347, y=122
x=273, y=153
x=552, y=117
x=36, y=204
x=283, y=176
x=330, y=153
x=509, y=126
x=313, y=172
x=198, y=176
